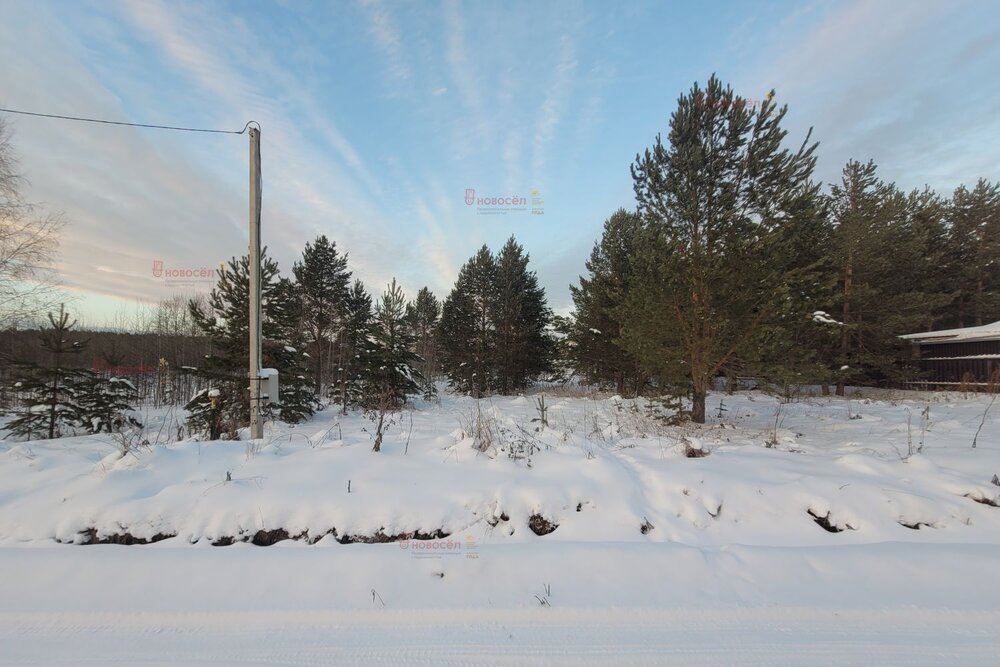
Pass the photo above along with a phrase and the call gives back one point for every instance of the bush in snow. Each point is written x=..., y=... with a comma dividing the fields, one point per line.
x=217, y=413
x=105, y=404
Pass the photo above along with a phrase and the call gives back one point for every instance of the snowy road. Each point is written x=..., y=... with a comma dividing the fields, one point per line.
x=526, y=637
x=611, y=604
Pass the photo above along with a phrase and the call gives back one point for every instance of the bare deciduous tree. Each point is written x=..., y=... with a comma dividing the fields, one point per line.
x=29, y=241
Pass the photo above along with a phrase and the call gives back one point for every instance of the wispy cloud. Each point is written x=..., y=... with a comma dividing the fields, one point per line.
x=553, y=106
x=386, y=34
x=878, y=80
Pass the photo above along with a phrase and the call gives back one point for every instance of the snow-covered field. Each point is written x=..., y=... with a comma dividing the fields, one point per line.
x=825, y=531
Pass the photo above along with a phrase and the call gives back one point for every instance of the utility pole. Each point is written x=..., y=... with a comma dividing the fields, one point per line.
x=256, y=423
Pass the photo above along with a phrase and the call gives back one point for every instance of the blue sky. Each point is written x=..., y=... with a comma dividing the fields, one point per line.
x=377, y=116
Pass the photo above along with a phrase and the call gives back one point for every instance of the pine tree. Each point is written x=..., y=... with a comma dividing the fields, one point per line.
x=974, y=219
x=930, y=267
x=391, y=375
x=392, y=370
x=466, y=337
x=495, y=325
x=354, y=348
x=284, y=352
x=795, y=345
x=881, y=243
x=227, y=325
x=595, y=350
x=50, y=396
x=106, y=404
x=522, y=347
x=709, y=200
x=323, y=280
x=422, y=315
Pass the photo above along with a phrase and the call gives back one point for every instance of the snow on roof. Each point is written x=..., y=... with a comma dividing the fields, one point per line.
x=984, y=332
x=974, y=356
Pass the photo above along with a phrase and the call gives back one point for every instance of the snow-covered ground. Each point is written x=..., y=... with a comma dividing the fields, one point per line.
x=824, y=531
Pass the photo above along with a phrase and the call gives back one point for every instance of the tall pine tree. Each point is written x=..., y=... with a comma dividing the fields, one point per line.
x=353, y=346
x=709, y=199
x=495, y=333
x=323, y=280
x=422, y=315
x=595, y=350
x=523, y=346
x=975, y=243
x=881, y=243
x=466, y=334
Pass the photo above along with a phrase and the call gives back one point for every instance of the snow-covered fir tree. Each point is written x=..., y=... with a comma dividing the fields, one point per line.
x=107, y=404
x=49, y=396
x=391, y=372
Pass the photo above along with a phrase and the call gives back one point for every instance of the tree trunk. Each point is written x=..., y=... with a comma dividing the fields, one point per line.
x=845, y=335
x=52, y=407
x=698, y=407
x=825, y=389
x=378, y=431
x=319, y=367
x=698, y=401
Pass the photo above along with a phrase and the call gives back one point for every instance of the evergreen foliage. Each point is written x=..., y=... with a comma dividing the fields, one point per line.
x=495, y=333
x=465, y=335
x=881, y=241
x=595, y=350
x=226, y=323
x=422, y=315
x=354, y=347
x=974, y=220
x=523, y=348
x=323, y=280
x=50, y=396
x=106, y=404
x=712, y=200
x=391, y=373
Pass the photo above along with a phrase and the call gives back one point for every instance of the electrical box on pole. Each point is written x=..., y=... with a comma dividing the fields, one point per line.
x=269, y=386
x=256, y=418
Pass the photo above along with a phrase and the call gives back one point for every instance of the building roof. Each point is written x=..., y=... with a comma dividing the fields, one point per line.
x=984, y=332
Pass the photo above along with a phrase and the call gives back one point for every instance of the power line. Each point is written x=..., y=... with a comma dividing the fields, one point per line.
x=116, y=122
